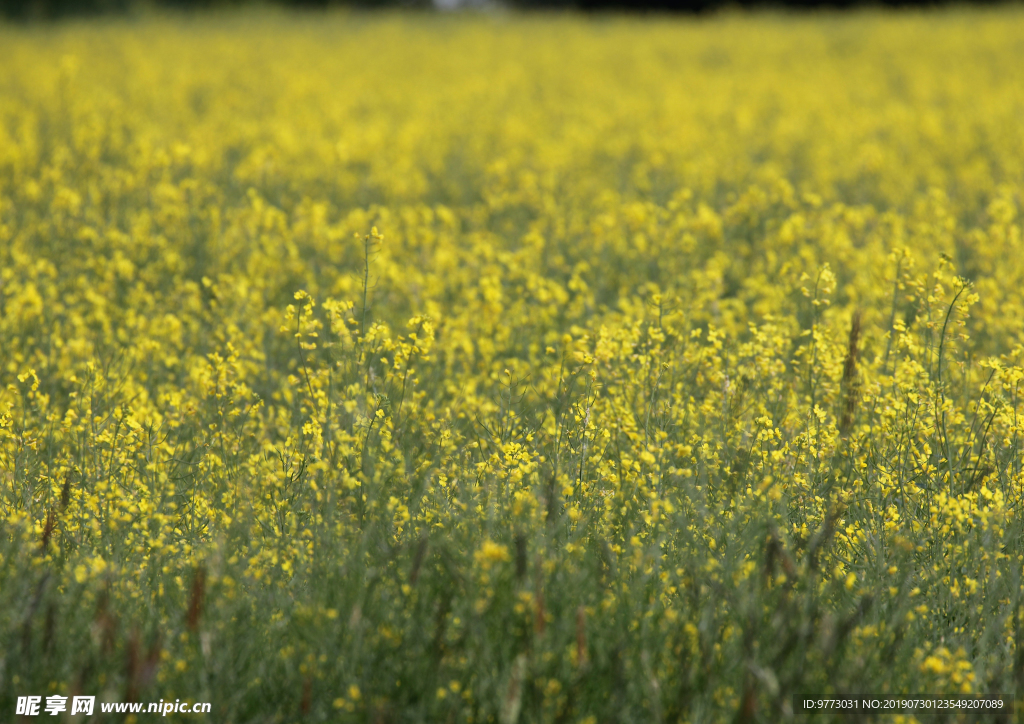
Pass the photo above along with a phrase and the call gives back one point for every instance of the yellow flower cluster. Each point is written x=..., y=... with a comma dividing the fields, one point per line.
x=512, y=368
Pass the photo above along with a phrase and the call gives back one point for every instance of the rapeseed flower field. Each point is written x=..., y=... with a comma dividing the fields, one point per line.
x=511, y=368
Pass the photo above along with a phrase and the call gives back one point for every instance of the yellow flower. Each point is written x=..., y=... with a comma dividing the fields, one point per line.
x=491, y=553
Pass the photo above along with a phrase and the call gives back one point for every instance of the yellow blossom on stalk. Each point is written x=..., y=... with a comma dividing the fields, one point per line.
x=491, y=553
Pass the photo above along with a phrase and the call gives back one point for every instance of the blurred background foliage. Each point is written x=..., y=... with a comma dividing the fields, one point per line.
x=34, y=10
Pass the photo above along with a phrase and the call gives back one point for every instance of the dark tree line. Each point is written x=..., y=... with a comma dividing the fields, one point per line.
x=49, y=9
